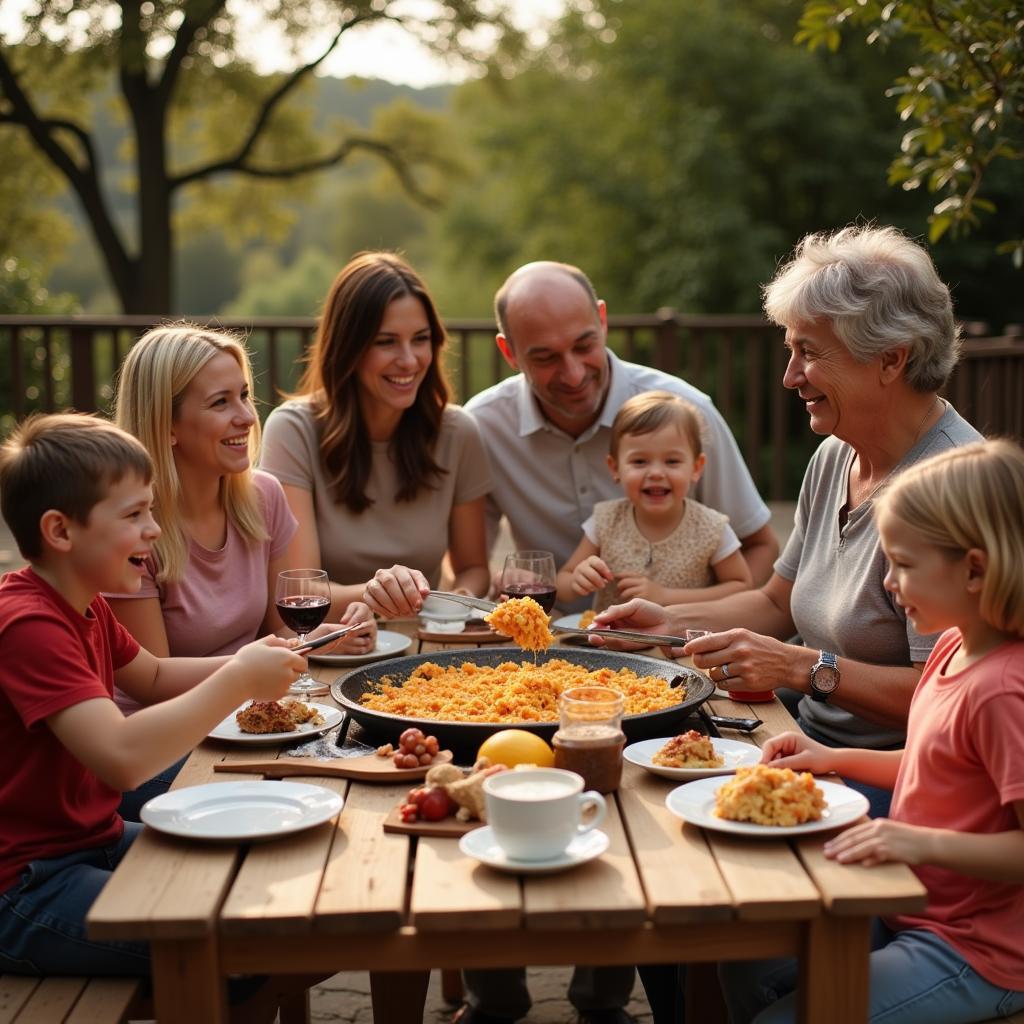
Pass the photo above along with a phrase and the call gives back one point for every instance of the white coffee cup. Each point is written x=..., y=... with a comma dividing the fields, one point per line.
x=536, y=813
x=440, y=616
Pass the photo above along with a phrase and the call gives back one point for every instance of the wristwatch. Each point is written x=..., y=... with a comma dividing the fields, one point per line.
x=824, y=676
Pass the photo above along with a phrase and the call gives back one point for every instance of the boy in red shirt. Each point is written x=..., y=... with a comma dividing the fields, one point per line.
x=75, y=492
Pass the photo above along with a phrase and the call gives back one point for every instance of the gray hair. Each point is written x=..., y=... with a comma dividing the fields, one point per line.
x=878, y=290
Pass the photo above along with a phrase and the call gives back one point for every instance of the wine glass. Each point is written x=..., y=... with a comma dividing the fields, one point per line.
x=303, y=597
x=530, y=574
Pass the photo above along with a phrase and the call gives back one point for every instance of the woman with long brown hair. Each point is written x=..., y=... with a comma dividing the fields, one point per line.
x=376, y=465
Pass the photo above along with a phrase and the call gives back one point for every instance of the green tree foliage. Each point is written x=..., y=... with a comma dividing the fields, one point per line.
x=673, y=149
x=197, y=116
x=963, y=95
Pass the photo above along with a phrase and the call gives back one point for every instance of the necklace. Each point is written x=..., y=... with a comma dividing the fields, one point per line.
x=917, y=437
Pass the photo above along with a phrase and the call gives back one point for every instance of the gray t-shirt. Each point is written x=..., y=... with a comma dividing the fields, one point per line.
x=839, y=602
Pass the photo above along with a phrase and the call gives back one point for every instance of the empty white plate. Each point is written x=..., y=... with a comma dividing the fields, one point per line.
x=389, y=645
x=241, y=810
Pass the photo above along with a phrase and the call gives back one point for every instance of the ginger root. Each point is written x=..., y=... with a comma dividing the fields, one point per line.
x=465, y=790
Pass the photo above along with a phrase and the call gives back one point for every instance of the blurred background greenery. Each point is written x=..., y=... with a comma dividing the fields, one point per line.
x=675, y=149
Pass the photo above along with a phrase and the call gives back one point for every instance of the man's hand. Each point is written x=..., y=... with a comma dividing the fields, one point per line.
x=590, y=575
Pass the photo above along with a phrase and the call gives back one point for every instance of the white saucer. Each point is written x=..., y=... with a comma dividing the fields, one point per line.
x=389, y=645
x=481, y=845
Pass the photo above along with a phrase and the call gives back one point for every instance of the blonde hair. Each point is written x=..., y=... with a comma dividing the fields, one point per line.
x=652, y=410
x=151, y=383
x=972, y=497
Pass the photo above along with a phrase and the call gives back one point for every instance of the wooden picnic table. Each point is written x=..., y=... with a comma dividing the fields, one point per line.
x=348, y=896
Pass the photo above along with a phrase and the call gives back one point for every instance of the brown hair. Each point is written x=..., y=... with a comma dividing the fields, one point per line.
x=351, y=319
x=971, y=497
x=643, y=414
x=66, y=462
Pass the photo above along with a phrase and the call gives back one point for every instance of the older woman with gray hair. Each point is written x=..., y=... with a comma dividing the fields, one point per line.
x=871, y=338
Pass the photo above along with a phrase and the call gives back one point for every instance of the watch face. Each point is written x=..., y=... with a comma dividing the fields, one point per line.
x=826, y=678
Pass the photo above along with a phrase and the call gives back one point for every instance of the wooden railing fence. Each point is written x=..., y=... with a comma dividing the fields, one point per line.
x=50, y=363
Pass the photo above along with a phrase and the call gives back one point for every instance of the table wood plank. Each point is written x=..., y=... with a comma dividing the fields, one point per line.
x=452, y=892
x=677, y=869
x=164, y=888
x=364, y=879
x=52, y=1000
x=277, y=886
x=858, y=890
x=834, y=971
x=187, y=982
x=605, y=893
x=765, y=877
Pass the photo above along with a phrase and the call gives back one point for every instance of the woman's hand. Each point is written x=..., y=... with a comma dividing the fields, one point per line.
x=739, y=659
x=396, y=591
x=631, y=585
x=637, y=615
x=881, y=840
x=798, y=751
x=361, y=641
x=591, y=574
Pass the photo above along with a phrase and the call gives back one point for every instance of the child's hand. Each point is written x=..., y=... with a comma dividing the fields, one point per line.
x=590, y=575
x=631, y=585
x=798, y=751
x=268, y=666
x=878, y=841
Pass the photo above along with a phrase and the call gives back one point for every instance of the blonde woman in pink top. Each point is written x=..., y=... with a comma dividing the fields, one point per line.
x=227, y=532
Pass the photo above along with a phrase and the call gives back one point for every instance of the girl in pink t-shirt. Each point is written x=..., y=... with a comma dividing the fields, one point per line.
x=186, y=393
x=952, y=528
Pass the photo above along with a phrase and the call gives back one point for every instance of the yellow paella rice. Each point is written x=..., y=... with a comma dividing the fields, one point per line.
x=587, y=618
x=770, y=796
x=524, y=621
x=510, y=692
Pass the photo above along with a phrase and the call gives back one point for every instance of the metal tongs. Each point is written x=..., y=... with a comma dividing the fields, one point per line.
x=618, y=634
x=329, y=638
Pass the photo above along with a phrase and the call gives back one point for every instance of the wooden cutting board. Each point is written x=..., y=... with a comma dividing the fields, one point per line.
x=370, y=768
x=446, y=828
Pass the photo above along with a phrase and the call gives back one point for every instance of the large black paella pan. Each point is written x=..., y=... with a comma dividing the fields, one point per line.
x=694, y=686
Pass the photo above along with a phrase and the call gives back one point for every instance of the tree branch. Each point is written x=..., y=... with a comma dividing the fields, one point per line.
x=183, y=40
x=383, y=150
x=84, y=180
x=270, y=103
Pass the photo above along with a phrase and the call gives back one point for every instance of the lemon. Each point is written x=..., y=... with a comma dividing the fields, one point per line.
x=516, y=746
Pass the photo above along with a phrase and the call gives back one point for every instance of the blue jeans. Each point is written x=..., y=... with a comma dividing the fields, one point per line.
x=42, y=917
x=916, y=978
x=131, y=802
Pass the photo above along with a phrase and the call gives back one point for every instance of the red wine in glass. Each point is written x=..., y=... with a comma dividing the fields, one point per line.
x=303, y=614
x=530, y=574
x=303, y=598
x=540, y=592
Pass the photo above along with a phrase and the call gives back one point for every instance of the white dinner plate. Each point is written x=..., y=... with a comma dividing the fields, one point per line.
x=389, y=645
x=229, y=730
x=735, y=752
x=695, y=803
x=481, y=845
x=241, y=810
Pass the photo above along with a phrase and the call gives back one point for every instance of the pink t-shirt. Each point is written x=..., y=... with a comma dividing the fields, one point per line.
x=961, y=770
x=221, y=601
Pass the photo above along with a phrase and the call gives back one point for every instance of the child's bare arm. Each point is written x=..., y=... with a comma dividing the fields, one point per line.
x=124, y=752
x=732, y=573
x=798, y=751
x=150, y=680
x=584, y=573
x=996, y=857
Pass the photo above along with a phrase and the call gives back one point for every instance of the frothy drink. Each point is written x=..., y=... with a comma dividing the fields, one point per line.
x=535, y=814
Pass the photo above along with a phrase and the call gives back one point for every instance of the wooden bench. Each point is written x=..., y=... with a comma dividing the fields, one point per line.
x=72, y=1000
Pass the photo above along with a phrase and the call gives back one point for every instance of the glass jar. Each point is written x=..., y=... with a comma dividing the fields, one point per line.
x=589, y=740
